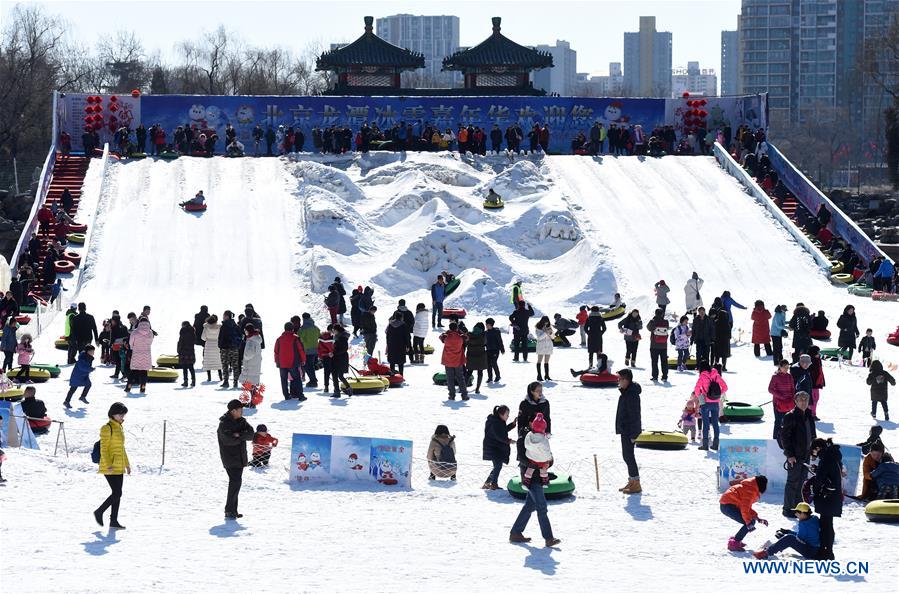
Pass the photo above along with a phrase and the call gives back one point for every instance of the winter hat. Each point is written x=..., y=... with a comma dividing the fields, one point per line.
x=235, y=404
x=762, y=482
x=538, y=425
x=261, y=428
x=336, y=279
x=805, y=358
x=803, y=507
x=583, y=308
x=117, y=408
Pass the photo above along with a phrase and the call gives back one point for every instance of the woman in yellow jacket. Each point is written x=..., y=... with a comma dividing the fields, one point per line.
x=113, y=462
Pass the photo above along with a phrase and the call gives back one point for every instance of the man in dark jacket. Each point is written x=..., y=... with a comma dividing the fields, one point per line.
x=369, y=329
x=199, y=320
x=703, y=334
x=409, y=323
x=82, y=329
x=519, y=319
x=438, y=294
x=229, y=347
x=594, y=327
x=233, y=431
x=341, y=291
x=629, y=425
x=800, y=324
x=658, y=344
x=496, y=138
x=269, y=140
x=36, y=409
x=796, y=435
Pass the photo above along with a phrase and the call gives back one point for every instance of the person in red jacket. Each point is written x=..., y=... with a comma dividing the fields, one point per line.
x=44, y=218
x=782, y=390
x=326, y=352
x=453, y=360
x=736, y=504
x=290, y=356
x=263, y=442
x=761, y=332
x=581, y=318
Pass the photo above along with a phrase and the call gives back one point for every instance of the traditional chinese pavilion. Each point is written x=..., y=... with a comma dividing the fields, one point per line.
x=369, y=65
x=498, y=65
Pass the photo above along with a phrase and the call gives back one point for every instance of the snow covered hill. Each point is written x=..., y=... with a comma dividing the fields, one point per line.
x=574, y=230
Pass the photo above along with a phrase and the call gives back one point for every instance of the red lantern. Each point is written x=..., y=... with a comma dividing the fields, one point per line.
x=703, y=103
x=98, y=99
x=114, y=107
x=685, y=95
x=98, y=108
x=98, y=118
x=703, y=113
x=90, y=99
x=113, y=99
x=87, y=119
x=88, y=109
x=135, y=93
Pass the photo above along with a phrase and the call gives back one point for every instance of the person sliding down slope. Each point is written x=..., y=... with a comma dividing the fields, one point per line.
x=199, y=199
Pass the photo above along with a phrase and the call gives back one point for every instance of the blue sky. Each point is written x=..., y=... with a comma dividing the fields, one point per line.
x=593, y=28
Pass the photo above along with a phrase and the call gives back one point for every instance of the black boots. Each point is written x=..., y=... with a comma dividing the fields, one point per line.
x=539, y=376
x=546, y=372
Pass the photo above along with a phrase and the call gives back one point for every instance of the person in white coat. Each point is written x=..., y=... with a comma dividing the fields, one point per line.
x=691, y=293
x=419, y=333
x=212, y=356
x=252, y=357
x=543, y=332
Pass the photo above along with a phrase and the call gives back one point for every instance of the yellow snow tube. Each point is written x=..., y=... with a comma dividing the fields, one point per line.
x=883, y=510
x=662, y=440
x=371, y=384
x=75, y=238
x=37, y=375
x=62, y=343
x=842, y=277
x=162, y=374
x=12, y=394
x=836, y=267
x=672, y=363
x=167, y=361
x=613, y=313
x=494, y=205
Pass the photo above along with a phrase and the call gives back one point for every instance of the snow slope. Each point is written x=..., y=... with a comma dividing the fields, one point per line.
x=275, y=234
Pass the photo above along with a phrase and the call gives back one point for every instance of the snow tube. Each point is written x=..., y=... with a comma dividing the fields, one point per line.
x=38, y=376
x=860, y=290
x=23, y=320
x=450, y=287
x=12, y=394
x=611, y=314
x=494, y=205
x=600, y=380
x=893, y=338
x=672, y=363
x=820, y=334
x=440, y=379
x=39, y=424
x=883, y=510
x=842, y=277
x=138, y=155
x=167, y=361
x=53, y=370
x=662, y=440
x=557, y=342
x=169, y=155
x=189, y=207
x=395, y=380
x=561, y=486
x=453, y=311
x=884, y=296
x=836, y=266
x=73, y=257
x=27, y=309
x=199, y=154
x=374, y=384
x=76, y=238
x=64, y=266
x=76, y=228
x=832, y=354
x=162, y=374
x=429, y=350
x=62, y=343
x=532, y=345
x=740, y=412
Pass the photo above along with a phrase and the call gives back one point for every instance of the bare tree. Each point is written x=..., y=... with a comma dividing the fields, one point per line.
x=122, y=54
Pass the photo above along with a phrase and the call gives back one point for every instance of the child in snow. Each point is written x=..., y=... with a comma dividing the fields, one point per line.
x=325, y=352
x=442, y=454
x=867, y=346
x=736, y=504
x=81, y=376
x=805, y=539
x=104, y=337
x=25, y=354
x=820, y=321
x=55, y=291
x=879, y=379
x=263, y=442
x=538, y=455
x=581, y=320
x=681, y=335
x=687, y=422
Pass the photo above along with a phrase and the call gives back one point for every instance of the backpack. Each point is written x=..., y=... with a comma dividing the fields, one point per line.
x=673, y=338
x=714, y=390
x=447, y=456
x=95, y=453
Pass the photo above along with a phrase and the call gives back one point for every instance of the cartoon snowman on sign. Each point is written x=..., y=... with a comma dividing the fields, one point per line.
x=197, y=116
x=315, y=461
x=353, y=462
x=302, y=465
x=386, y=472
x=614, y=113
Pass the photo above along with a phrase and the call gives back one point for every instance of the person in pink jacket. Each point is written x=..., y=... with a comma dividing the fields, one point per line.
x=140, y=340
x=710, y=388
x=782, y=390
x=25, y=352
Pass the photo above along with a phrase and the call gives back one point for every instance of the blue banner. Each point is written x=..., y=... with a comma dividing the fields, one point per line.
x=565, y=116
x=332, y=458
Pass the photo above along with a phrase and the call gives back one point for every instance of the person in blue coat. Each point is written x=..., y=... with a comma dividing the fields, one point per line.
x=81, y=376
x=883, y=275
x=806, y=539
x=778, y=332
x=729, y=302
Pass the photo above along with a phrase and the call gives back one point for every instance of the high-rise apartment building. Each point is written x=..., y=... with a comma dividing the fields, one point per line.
x=434, y=36
x=647, y=61
x=611, y=85
x=562, y=77
x=694, y=80
x=730, y=63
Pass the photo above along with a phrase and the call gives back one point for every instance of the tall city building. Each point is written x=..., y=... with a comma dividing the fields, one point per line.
x=611, y=85
x=434, y=36
x=562, y=77
x=806, y=54
x=730, y=63
x=694, y=80
x=647, y=61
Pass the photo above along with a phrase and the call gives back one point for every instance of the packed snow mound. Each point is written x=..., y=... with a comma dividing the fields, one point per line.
x=327, y=178
x=448, y=172
x=412, y=190
x=523, y=178
x=440, y=249
x=544, y=231
x=334, y=224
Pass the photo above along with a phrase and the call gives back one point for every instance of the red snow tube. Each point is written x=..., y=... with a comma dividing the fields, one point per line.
x=199, y=154
x=600, y=380
x=858, y=273
x=452, y=311
x=820, y=334
x=884, y=296
x=76, y=228
x=39, y=424
x=64, y=266
x=191, y=207
x=893, y=338
x=73, y=257
x=23, y=320
x=395, y=379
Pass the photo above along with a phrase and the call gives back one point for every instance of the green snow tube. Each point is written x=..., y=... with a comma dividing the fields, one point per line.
x=169, y=155
x=860, y=290
x=832, y=354
x=740, y=412
x=451, y=286
x=560, y=486
x=53, y=370
x=27, y=309
x=440, y=379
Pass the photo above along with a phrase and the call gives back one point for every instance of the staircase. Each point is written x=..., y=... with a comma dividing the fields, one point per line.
x=68, y=172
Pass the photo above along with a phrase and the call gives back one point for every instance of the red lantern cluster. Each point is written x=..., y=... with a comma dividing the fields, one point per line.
x=694, y=117
x=94, y=108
